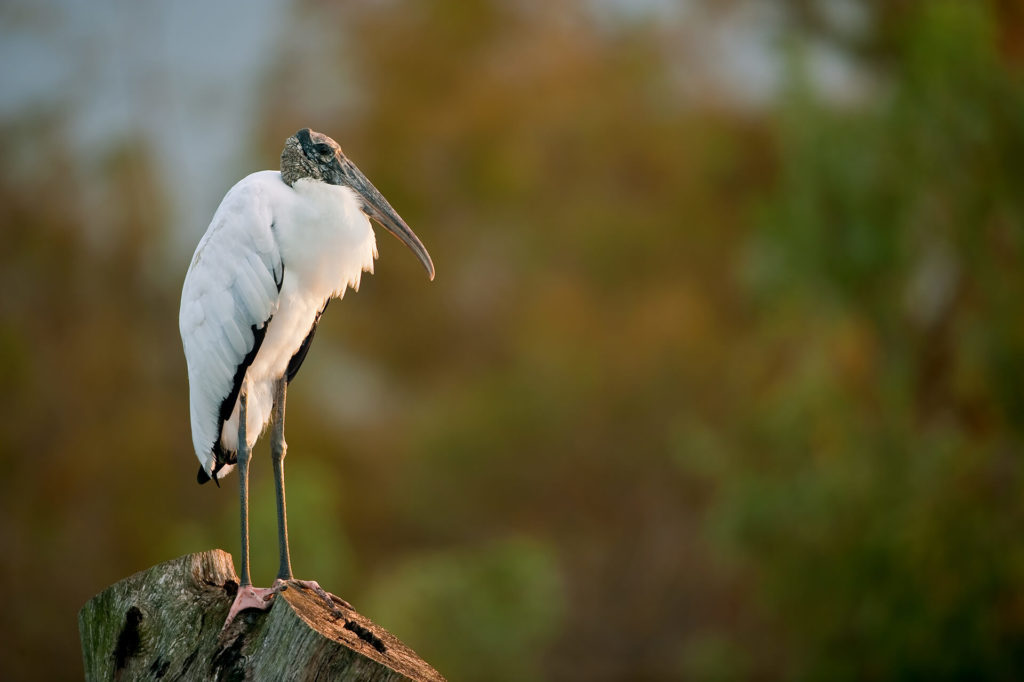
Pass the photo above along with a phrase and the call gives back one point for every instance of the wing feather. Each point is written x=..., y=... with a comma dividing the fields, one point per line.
x=240, y=345
x=252, y=286
x=230, y=294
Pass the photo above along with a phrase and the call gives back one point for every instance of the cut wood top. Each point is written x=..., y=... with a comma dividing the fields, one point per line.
x=165, y=622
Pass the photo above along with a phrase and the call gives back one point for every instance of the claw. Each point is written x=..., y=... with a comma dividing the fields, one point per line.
x=329, y=599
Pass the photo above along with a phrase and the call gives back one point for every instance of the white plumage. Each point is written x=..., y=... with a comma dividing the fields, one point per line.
x=313, y=240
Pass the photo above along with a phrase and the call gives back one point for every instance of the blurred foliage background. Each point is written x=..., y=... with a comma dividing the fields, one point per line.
x=722, y=375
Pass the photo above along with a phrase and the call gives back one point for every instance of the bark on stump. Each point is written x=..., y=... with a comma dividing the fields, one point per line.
x=165, y=622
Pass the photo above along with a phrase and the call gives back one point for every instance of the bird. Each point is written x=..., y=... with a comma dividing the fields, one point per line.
x=281, y=245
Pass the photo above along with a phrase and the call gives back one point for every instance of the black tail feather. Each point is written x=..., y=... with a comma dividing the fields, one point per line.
x=221, y=457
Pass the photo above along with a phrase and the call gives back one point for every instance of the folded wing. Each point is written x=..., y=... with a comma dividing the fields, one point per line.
x=228, y=299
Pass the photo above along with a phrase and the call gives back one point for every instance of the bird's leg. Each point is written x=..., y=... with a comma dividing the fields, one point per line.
x=248, y=597
x=243, y=488
x=278, y=449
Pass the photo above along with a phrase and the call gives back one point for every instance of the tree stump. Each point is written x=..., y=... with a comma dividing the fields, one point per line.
x=165, y=623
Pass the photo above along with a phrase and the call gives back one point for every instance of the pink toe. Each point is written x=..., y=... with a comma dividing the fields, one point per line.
x=250, y=597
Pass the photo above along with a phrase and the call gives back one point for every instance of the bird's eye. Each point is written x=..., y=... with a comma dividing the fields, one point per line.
x=324, y=150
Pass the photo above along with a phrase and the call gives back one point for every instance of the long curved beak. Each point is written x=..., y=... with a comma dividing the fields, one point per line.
x=378, y=208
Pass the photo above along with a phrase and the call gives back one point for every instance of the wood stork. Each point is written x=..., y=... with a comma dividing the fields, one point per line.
x=280, y=246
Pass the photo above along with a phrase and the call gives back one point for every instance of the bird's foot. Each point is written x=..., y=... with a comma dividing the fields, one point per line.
x=262, y=598
x=332, y=601
x=250, y=597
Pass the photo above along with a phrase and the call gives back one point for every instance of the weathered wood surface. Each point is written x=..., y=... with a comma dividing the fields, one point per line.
x=165, y=623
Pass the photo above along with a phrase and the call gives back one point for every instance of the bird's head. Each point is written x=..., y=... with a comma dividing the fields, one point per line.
x=313, y=155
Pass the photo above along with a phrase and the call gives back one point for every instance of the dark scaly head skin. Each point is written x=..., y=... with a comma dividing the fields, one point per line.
x=313, y=155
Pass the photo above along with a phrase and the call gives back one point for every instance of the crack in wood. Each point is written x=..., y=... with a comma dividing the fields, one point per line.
x=367, y=636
